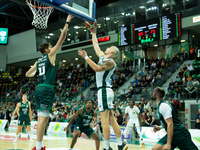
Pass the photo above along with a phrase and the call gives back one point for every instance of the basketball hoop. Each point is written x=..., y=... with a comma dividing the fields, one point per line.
x=41, y=13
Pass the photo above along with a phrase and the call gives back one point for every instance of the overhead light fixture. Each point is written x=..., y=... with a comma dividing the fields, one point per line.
x=155, y=45
x=107, y=18
x=90, y=56
x=99, y=26
x=51, y=34
x=122, y=13
x=84, y=30
x=68, y=39
x=142, y=7
x=47, y=37
x=76, y=58
x=64, y=60
x=139, y=45
x=69, y=34
x=128, y=14
x=76, y=27
x=133, y=13
x=182, y=40
x=76, y=32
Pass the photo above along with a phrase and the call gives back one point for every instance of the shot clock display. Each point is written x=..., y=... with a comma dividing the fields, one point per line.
x=161, y=28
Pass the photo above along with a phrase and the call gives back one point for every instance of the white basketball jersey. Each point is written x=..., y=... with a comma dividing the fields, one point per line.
x=103, y=78
x=132, y=112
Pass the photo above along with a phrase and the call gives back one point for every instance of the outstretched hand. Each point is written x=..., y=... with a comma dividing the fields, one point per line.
x=69, y=18
x=93, y=30
x=82, y=53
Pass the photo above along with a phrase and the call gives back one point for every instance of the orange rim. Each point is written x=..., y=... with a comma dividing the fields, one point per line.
x=37, y=6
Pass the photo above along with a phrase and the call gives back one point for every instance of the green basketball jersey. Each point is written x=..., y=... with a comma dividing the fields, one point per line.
x=47, y=72
x=177, y=124
x=85, y=118
x=24, y=109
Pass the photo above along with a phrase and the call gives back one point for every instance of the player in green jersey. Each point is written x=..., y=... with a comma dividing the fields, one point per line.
x=84, y=117
x=177, y=135
x=44, y=92
x=23, y=110
x=104, y=70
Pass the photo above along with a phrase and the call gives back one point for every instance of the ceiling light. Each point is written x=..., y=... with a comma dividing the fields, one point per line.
x=139, y=45
x=155, y=45
x=90, y=56
x=76, y=32
x=64, y=60
x=47, y=37
x=51, y=34
x=68, y=39
x=122, y=13
x=99, y=26
x=69, y=34
x=76, y=27
x=85, y=30
x=107, y=18
x=76, y=58
x=182, y=40
x=142, y=7
x=133, y=13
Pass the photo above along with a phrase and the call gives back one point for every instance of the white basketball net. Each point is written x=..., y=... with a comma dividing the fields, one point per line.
x=41, y=13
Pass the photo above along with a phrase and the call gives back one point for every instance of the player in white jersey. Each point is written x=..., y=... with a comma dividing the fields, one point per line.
x=134, y=114
x=104, y=70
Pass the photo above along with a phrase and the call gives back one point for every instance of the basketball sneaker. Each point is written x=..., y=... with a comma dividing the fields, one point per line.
x=31, y=140
x=124, y=146
x=109, y=148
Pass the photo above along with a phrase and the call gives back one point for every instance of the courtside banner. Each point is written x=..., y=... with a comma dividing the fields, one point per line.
x=3, y=123
x=149, y=135
x=13, y=125
x=34, y=126
x=112, y=133
x=195, y=134
x=57, y=127
x=83, y=135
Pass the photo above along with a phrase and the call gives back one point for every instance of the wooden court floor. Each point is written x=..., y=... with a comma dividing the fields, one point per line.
x=54, y=143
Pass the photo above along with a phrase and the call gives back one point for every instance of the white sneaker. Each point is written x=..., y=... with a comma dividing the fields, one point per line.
x=15, y=140
x=31, y=140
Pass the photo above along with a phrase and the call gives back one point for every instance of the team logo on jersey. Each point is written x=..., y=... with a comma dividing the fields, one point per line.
x=57, y=127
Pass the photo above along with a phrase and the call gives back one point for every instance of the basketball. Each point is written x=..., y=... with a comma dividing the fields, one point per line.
x=91, y=25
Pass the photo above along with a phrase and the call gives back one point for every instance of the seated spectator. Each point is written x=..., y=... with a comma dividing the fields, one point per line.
x=158, y=76
x=197, y=120
x=135, y=81
x=163, y=64
x=184, y=68
x=184, y=84
x=158, y=64
x=155, y=116
x=153, y=65
x=190, y=83
x=140, y=108
x=190, y=68
x=149, y=120
x=141, y=73
x=184, y=78
x=195, y=83
x=146, y=104
x=143, y=82
x=139, y=78
x=148, y=79
x=181, y=73
x=171, y=85
x=178, y=79
x=187, y=72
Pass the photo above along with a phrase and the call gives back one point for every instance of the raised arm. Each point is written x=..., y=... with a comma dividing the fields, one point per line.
x=62, y=37
x=103, y=67
x=32, y=71
x=30, y=112
x=79, y=112
x=95, y=43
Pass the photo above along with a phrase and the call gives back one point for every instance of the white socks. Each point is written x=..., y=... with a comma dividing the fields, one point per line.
x=39, y=145
x=119, y=141
x=106, y=144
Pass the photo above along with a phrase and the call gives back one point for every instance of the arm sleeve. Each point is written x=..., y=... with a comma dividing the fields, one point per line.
x=165, y=110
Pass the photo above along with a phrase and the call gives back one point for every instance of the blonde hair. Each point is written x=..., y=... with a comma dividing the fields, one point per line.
x=116, y=50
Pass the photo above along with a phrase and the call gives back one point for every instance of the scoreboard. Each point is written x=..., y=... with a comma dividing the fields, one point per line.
x=161, y=28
